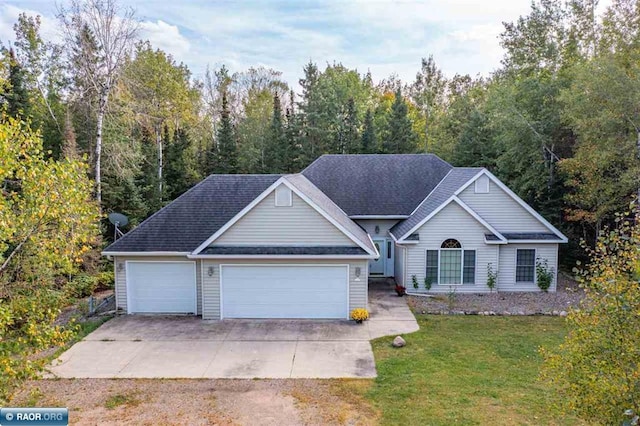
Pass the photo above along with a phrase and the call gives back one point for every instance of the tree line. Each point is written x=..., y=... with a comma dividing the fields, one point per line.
x=558, y=121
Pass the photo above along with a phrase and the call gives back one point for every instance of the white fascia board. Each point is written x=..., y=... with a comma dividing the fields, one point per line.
x=145, y=253
x=278, y=256
x=324, y=214
x=527, y=207
x=238, y=216
x=398, y=243
x=429, y=194
x=366, y=216
x=493, y=242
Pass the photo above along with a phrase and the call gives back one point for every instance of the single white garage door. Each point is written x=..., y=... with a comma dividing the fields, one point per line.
x=161, y=287
x=276, y=291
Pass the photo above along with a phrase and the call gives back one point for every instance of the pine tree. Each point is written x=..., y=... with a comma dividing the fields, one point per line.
x=312, y=141
x=275, y=152
x=350, y=137
x=292, y=138
x=368, y=143
x=16, y=95
x=70, y=145
x=176, y=171
x=211, y=159
x=227, y=148
x=400, y=137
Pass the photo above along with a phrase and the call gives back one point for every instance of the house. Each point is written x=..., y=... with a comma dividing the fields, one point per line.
x=304, y=245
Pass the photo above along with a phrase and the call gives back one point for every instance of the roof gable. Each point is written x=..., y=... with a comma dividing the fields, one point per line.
x=504, y=209
x=261, y=222
x=377, y=184
x=190, y=219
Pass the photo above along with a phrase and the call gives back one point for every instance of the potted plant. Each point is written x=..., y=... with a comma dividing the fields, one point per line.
x=401, y=290
x=359, y=315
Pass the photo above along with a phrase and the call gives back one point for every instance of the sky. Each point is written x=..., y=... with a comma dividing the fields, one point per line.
x=384, y=37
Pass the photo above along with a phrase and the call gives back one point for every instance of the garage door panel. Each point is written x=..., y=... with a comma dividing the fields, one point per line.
x=161, y=287
x=285, y=291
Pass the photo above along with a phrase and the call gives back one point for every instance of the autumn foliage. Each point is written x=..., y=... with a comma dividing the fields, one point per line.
x=597, y=369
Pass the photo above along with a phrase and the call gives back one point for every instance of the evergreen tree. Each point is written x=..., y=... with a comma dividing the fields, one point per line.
x=368, y=143
x=292, y=138
x=148, y=176
x=400, y=138
x=227, y=148
x=275, y=152
x=176, y=172
x=310, y=109
x=350, y=137
x=16, y=95
x=211, y=159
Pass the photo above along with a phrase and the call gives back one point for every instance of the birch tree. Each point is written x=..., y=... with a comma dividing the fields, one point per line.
x=99, y=35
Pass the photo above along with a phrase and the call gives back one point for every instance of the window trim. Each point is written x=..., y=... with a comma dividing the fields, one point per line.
x=515, y=267
x=462, y=250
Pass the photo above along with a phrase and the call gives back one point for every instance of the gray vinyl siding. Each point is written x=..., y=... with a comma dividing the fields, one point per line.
x=451, y=222
x=507, y=269
x=399, y=264
x=358, y=287
x=121, y=278
x=500, y=210
x=369, y=225
x=297, y=224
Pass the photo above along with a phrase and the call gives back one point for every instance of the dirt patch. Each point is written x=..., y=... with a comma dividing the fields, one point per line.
x=199, y=402
x=567, y=295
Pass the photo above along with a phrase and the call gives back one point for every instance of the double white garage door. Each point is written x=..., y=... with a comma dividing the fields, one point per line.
x=246, y=291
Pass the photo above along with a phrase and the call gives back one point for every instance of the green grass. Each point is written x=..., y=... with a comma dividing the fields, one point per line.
x=120, y=399
x=470, y=370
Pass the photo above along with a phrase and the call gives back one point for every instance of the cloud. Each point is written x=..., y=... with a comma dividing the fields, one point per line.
x=9, y=16
x=166, y=37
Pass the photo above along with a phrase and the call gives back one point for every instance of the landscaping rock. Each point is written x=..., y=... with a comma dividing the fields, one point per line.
x=563, y=313
x=399, y=342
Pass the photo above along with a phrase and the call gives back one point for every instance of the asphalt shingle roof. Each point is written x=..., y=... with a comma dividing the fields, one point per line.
x=190, y=219
x=376, y=184
x=540, y=236
x=446, y=188
x=278, y=250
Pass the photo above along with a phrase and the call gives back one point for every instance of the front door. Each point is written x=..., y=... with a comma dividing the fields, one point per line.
x=376, y=266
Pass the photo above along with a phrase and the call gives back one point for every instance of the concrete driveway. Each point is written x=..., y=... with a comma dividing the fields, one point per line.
x=188, y=347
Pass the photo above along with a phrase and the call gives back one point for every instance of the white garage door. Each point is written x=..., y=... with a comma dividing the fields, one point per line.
x=276, y=291
x=161, y=287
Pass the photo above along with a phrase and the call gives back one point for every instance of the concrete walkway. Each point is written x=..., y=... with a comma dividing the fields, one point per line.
x=188, y=347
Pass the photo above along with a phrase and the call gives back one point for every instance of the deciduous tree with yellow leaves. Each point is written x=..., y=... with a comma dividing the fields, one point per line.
x=597, y=369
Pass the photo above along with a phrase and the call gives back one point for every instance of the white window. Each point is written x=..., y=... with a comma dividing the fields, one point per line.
x=451, y=265
x=525, y=265
x=283, y=196
x=482, y=185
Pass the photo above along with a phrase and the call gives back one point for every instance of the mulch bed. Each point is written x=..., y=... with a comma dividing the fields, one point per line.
x=568, y=295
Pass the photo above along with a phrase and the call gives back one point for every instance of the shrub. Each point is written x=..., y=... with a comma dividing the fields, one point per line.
x=544, y=274
x=359, y=315
x=81, y=286
x=105, y=280
x=28, y=326
x=427, y=283
x=492, y=277
x=414, y=280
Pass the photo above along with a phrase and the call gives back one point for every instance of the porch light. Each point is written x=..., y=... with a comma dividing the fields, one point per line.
x=377, y=229
x=358, y=271
x=120, y=266
x=210, y=271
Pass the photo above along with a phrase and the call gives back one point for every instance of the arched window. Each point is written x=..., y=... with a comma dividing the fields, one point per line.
x=451, y=264
x=451, y=244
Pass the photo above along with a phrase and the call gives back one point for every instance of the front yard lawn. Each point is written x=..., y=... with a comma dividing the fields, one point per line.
x=467, y=370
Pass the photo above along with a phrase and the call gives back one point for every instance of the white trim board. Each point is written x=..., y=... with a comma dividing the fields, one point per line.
x=373, y=216
x=258, y=199
x=279, y=256
x=515, y=197
x=145, y=253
